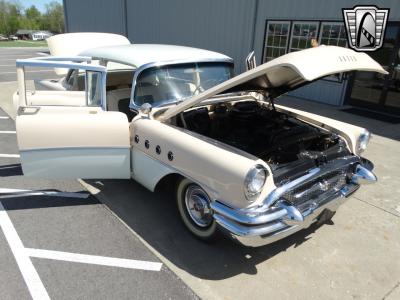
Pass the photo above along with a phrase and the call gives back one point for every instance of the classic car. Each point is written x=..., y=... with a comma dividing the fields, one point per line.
x=241, y=164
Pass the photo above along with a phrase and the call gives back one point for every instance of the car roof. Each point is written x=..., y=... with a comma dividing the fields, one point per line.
x=138, y=55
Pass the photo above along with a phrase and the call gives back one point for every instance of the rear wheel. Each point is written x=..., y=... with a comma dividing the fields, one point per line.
x=195, y=211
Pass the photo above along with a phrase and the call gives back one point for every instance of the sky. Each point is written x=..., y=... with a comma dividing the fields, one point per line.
x=40, y=4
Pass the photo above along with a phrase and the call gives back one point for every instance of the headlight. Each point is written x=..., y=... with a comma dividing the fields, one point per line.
x=363, y=141
x=254, y=182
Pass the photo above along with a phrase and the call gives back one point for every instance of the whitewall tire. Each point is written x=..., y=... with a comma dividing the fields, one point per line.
x=194, y=209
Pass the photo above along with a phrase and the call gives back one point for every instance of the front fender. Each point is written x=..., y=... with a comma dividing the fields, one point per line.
x=220, y=171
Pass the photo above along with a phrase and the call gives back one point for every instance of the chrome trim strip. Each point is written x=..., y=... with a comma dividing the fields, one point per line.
x=253, y=218
x=241, y=230
x=140, y=69
x=68, y=62
x=77, y=62
x=73, y=148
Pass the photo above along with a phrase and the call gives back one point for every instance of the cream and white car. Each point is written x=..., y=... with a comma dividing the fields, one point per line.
x=241, y=163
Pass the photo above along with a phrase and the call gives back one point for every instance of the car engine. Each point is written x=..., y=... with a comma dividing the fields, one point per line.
x=288, y=145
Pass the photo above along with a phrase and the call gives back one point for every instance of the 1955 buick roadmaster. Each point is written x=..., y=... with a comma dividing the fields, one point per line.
x=241, y=163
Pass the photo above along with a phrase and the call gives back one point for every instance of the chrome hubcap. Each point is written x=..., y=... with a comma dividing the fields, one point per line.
x=198, y=206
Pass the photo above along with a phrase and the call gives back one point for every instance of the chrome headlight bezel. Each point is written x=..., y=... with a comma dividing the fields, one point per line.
x=254, y=182
x=362, y=141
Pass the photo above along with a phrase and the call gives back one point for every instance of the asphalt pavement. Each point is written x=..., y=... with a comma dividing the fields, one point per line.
x=58, y=241
x=8, y=57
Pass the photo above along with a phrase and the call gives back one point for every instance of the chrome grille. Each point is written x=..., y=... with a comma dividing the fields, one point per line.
x=317, y=187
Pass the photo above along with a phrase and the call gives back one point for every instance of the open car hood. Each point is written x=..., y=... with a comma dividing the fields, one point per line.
x=71, y=44
x=287, y=73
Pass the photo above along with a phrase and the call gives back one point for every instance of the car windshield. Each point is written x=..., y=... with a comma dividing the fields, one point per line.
x=172, y=83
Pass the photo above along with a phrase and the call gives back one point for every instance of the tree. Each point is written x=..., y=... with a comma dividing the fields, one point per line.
x=32, y=19
x=53, y=18
x=13, y=17
x=10, y=16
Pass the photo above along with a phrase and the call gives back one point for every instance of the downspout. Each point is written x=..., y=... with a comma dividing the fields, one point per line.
x=126, y=18
x=253, y=34
x=65, y=16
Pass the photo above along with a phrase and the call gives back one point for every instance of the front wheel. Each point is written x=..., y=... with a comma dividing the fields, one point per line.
x=195, y=211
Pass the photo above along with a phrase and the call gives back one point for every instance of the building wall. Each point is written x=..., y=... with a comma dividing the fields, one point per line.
x=95, y=15
x=224, y=26
x=233, y=27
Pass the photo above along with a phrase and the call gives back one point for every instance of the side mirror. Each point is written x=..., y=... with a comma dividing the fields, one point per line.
x=251, y=61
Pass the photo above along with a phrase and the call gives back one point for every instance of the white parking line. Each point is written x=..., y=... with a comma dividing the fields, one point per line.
x=9, y=131
x=4, y=117
x=9, y=155
x=94, y=259
x=28, y=271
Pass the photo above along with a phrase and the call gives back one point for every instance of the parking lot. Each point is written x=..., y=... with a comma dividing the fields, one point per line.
x=49, y=228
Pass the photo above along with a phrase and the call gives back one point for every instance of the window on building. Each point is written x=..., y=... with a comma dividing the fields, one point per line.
x=333, y=34
x=302, y=34
x=276, y=39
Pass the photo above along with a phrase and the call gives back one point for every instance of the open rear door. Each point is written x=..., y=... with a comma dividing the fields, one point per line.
x=55, y=142
x=72, y=141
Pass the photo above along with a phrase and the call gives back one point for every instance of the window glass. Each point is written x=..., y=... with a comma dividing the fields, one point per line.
x=76, y=80
x=276, y=39
x=302, y=34
x=94, y=88
x=333, y=33
x=172, y=83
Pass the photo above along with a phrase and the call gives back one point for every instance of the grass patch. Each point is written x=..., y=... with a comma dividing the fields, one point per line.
x=6, y=44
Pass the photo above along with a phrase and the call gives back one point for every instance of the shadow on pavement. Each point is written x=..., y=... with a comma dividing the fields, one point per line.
x=42, y=201
x=10, y=170
x=155, y=218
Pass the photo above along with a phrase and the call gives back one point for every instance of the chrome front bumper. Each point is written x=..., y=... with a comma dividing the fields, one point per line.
x=269, y=223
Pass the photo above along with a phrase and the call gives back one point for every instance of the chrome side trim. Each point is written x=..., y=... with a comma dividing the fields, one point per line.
x=73, y=148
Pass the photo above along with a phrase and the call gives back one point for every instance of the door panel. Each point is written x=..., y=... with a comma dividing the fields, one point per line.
x=75, y=142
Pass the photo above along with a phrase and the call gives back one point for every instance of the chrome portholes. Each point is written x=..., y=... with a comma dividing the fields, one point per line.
x=170, y=156
x=136, y=139
x=147, y=144
x=197, y=204
x=158, y=149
